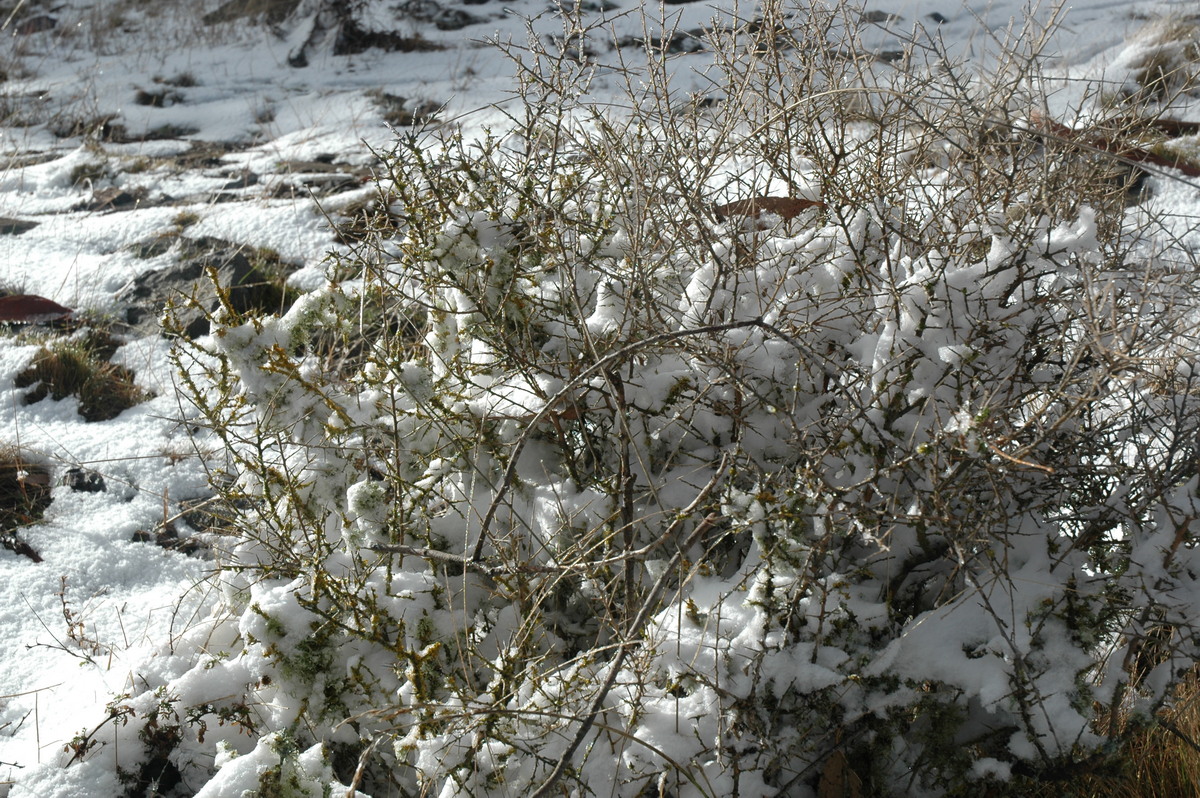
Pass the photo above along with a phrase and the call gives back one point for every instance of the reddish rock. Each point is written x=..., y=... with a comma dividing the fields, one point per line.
x=30, y=309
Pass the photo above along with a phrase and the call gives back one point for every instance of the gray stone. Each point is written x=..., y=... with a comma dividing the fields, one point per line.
x=272, y=11
x=14, y=227
x=38, y=24
x=249, y=279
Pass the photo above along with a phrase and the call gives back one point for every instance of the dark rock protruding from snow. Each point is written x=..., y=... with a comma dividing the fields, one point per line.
x=14, y=227
x=273, y=12
x=38, y=24
x=81, y=480
x=250, y=280
x=167, y=536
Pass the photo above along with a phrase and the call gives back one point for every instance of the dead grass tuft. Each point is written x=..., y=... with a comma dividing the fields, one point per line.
x=24, y=497
x=1160, y=759
x=1168, y=66
x=24, y=489
x=80, y=367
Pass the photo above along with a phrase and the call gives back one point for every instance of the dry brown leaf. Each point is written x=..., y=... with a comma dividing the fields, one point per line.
x=838, y=780
x=787, y=207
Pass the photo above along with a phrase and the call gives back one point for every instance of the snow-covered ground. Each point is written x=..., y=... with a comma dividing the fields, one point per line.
x=80, y=625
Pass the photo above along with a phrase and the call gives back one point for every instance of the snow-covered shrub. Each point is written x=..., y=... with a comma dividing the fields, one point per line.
x=581, y=479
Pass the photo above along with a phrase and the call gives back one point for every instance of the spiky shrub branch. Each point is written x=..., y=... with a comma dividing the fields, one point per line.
x=566, y=480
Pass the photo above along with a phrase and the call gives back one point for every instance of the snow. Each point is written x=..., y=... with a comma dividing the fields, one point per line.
x=135, y=601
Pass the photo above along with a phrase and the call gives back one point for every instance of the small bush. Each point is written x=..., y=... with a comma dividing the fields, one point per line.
x=751, y=492
x=571, y=481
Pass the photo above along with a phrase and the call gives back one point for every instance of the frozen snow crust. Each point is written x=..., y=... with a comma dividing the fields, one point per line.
x=569, y=472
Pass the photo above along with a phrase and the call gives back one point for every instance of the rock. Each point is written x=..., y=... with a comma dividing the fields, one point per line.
x=158, y=98
x=14, y=227
x=352, y=31
x=680, y=42
x=31, y=309
x=402, y=112
x=121, y=135
x=879, y=17
x=113, y=199
x=215, y=515
x=443, y=18
x=250, y=279
x=167, y=536
x=353, y=39
x=38, y=24
x=420, y=10
x=311, y=167
x=152, y=247
x=454, y=19
x=316, y=178
x=244, y=180
x=204, y=155
x=83, y=481
x=938, y=19
x=272, y=11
